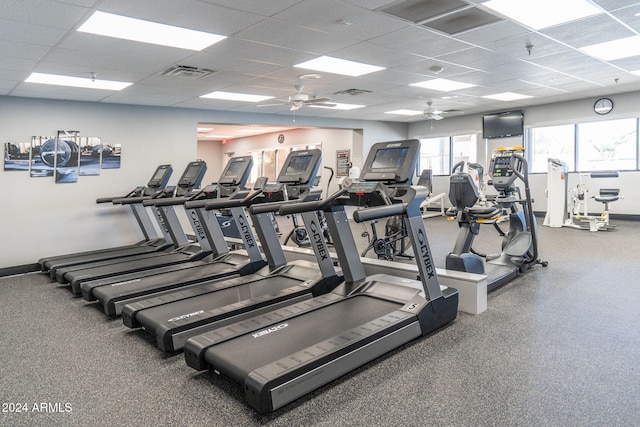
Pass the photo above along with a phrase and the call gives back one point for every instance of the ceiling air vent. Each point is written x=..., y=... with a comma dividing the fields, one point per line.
x=352, y=92
x=187, y=71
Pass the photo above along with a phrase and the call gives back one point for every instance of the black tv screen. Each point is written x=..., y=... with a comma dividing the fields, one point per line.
x=503, y=125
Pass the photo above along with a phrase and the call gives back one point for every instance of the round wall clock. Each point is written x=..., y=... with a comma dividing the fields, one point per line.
x=603, y=106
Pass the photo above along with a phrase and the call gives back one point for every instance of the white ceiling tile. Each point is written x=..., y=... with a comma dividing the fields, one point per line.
x=292, y=36
x=342, y=19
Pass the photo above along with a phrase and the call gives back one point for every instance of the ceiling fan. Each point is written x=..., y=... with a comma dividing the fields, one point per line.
x=300, y=99
x=436, y=114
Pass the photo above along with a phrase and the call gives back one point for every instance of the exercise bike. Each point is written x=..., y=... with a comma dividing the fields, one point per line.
x=299, y=234
x=393, y=244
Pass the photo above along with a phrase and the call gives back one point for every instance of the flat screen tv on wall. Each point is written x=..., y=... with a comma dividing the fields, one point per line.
x=503, y=125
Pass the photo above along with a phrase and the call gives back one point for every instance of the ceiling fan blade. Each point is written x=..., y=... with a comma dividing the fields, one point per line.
x=271, y=105
x=323, y=104
x=317, y=100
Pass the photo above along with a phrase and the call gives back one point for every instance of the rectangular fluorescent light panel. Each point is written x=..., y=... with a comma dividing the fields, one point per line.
x=123, y=27
x=404, y=112
x=443, y=85
x=58, y=80
x=232, y=96
x=507, y=96
x=614, y=49
x=538, y=14
x=338, y=106
x=338, y=66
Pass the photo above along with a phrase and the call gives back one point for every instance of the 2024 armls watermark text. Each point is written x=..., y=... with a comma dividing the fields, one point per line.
x=37, y=407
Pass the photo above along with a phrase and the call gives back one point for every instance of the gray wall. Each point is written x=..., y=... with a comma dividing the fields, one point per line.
x=40, y=218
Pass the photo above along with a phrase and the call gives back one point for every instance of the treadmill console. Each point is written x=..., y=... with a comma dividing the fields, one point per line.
x=391, y=162
x=237, y=171
x=208, y=192
x=368, y=194
x=159, y=179
x=192, y=175
x=235, y=175
x=300, y=168
x=386, y=174
x=274, y=192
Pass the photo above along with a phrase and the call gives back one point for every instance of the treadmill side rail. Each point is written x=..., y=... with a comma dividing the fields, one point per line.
x=273, y=386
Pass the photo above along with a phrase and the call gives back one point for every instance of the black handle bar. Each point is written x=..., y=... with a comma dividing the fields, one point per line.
x=379, y=212
x=233, y=203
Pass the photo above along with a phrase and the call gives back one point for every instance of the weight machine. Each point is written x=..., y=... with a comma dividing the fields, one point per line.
x=568, y=206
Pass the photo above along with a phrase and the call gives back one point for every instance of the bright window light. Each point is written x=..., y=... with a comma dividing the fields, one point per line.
x=204, y=129
x=615, y=49
x=507, y=96
x=58, y=80
x=538, y=14
x=232, y=96
x=404, y=112
x=443, y=85
x=338, y=106
x=123, y=27
x=338, y=66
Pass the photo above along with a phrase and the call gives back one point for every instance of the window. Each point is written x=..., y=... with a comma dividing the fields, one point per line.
x=604, y=145
x=440, y=154
x=556, y=142
x=434, y=155
x=464, y=149
x=607, y=145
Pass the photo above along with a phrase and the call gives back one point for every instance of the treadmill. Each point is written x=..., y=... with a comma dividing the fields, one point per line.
x=175, y=317
x=184, y=251
x=233, y=178
x=115, y=292
x=150, y=243
x=282, y=355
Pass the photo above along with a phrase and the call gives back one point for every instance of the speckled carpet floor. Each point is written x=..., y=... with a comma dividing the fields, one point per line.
x=558, y=346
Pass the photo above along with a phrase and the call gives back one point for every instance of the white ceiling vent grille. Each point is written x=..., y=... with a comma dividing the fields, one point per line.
x=187, y=71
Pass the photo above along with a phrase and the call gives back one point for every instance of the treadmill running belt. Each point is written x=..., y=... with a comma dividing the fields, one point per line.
x=182, y=310
x=239, y=357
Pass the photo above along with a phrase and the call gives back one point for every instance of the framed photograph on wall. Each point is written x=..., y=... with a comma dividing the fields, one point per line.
x=16, y=156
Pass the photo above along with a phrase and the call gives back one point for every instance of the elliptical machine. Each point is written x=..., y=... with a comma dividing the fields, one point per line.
x=519, y=244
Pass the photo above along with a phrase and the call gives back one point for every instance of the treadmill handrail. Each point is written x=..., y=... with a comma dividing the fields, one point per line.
x=376, y=212
x=311, y=206
x=233, y=203
x=171, y=201
x=271, y=206
x=107, y=199
x=132, y=200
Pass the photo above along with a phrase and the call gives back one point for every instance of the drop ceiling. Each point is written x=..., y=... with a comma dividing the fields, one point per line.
x=266, y=38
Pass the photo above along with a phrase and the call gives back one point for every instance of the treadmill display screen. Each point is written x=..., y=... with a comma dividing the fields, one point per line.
x=389, y=159
x=159, y=173
x=298, y=165
x=191, y=173
x=502, y=166
x=235, y=169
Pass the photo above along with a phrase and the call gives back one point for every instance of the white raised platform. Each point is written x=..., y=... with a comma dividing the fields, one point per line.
x=472, y=288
